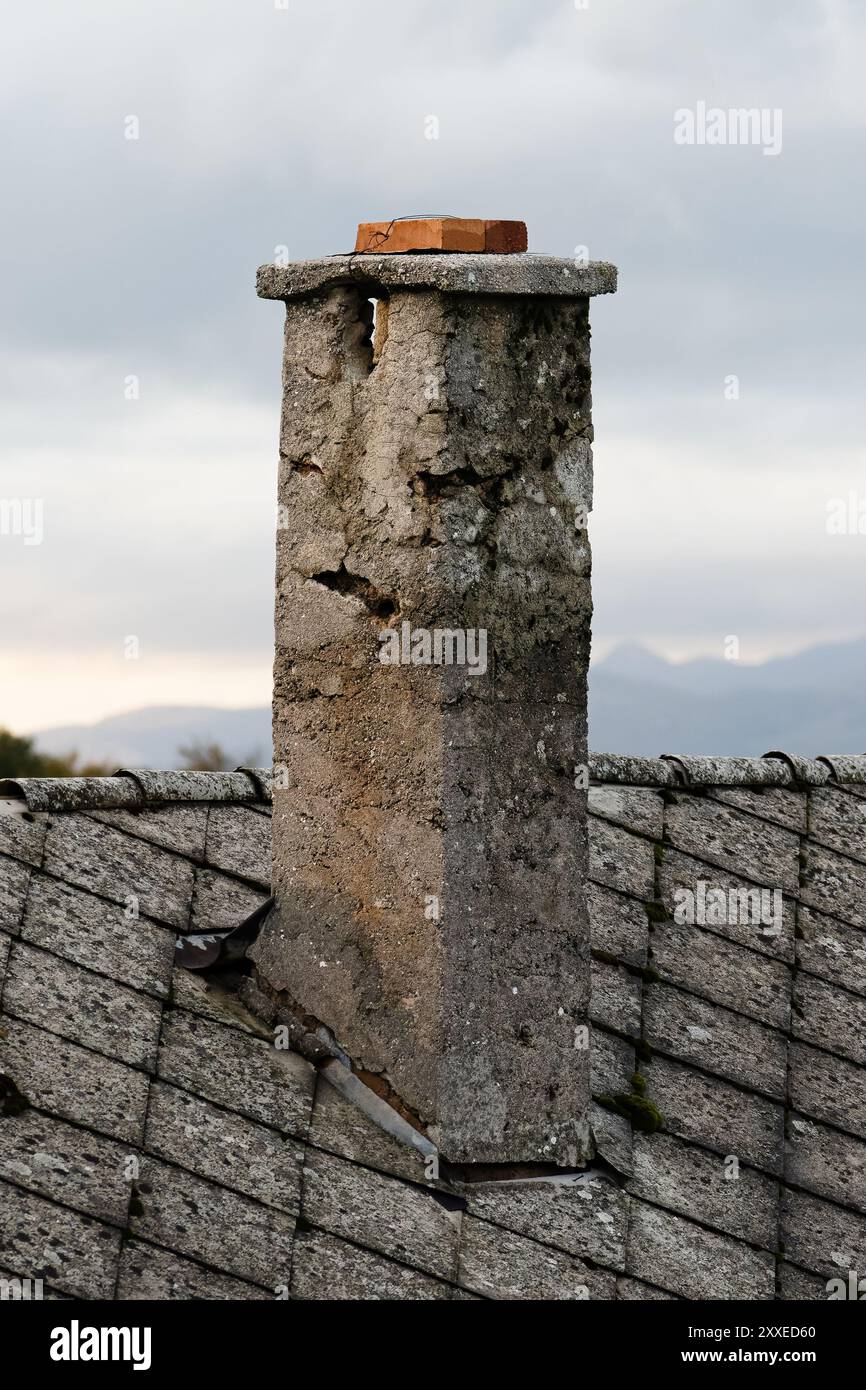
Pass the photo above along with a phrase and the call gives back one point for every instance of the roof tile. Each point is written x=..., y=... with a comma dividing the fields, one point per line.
x=66, y=999
x=180, y=827
x=716, y=1114
x=826, y=1162
x=731, y=772
x=23, y=837
x=618, y=924
x=14, y=882
x=706, y=964
x=718, y=1041
x=825, y=1238
x=148, y=1273
x=585, y=1216
x=635, y=808
x=220, y=902
x=209, y=1223
x=73, y=1253
x=73, y=1083
x=498, y=1264
x=224, y=1147
x=239, y=842
x=694, y=1183
x=833, y=951
x=743, y=844
x=619, y=859
x=669, y=1250
x=81, y=851
x=234, y=1069
x=399, y=1219
x=833, y=883
x=830, y=1017
x=98, y=935
x=827, y=1087
x=71, y=1165
x=327, y=1268
x=679, y=871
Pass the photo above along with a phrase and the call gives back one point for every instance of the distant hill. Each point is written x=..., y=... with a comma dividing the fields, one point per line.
x=152, y=737
x=814, y=702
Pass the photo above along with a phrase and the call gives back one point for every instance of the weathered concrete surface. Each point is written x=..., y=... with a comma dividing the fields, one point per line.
x=467, y=273
x=429, y=841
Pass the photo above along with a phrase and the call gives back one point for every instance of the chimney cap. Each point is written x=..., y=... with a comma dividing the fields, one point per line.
x=433, y=232
x=449, y=273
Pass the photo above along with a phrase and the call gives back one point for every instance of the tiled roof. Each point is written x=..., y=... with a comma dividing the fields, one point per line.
x=154, y=1143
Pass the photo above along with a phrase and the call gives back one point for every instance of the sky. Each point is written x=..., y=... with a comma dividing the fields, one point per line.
x=139, y=401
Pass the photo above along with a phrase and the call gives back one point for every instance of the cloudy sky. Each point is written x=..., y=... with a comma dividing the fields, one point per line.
x=130, y=263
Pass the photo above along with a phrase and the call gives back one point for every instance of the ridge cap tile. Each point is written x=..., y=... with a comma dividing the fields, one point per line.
x=136, y=788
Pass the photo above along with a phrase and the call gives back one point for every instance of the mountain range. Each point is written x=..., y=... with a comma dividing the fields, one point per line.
x=812, y=702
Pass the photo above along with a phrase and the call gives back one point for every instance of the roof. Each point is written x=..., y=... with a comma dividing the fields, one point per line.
x=155, y=1143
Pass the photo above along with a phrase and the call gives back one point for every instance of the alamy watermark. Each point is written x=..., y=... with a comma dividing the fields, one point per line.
x=421, y=646
x=846, y=516
x=21, y=1291
x=852, y=1288
x=712, y=125
x=707, y=906
x=24, y=517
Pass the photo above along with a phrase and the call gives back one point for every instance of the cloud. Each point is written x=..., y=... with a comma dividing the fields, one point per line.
x=262, y=126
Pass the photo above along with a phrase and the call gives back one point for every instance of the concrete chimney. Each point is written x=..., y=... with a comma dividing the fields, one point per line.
x=432, y=643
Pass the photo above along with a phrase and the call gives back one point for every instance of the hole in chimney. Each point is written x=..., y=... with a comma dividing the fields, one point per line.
x=342, y=581
x=378, y=328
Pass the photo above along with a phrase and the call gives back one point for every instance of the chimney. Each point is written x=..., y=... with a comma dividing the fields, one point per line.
x=432, y=643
